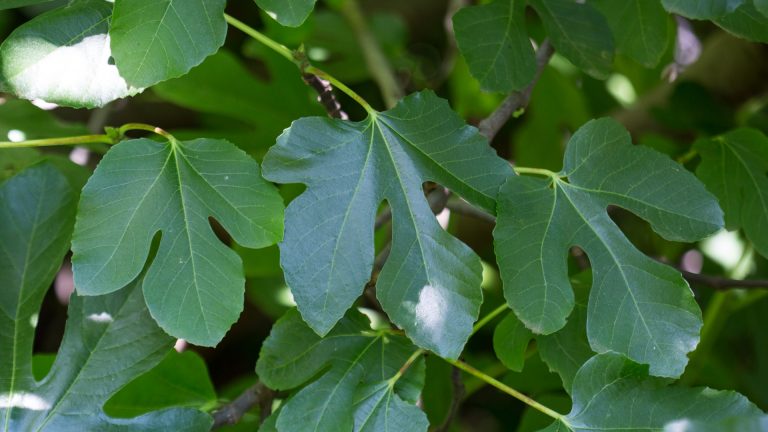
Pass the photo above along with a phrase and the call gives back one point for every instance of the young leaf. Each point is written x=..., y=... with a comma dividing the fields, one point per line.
x=63, y=57
x=701, y=9
x=493, y=40
x=291, y=13
x=194, y=286
x=155, y=40
x=108, y=340
x=640, y=28
x=734, y=167
x=637, y=307
x=358, y=388
x=613, y=393
x=579, y=32
x=430, y=285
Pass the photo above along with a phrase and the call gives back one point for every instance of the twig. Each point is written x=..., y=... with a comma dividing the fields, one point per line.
x=382, y=218
x=464, y=208
x=516, y=100
x=377, y=63
x=721, y=283
x=231, y=413
x=459, y=391
x=325, y=95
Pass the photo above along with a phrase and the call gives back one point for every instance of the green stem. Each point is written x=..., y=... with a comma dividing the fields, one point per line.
x=292, y=57
x=261, y=37
x=507, y=389
x=488, y=318
x=145, y=127
x=536, y=171
x=687, y=157
x=49, y=142
x=375, y=60
x=416, y=354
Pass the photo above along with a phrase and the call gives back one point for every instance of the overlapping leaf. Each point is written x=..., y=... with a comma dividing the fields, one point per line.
x=579, y=32
x=194, y=286
x=108, y=340
x=641, y=28
x=610, y=390
x=290, y=13
x=494, y=42
x=430, y=285
x=8, y=4
x=734, y=167
x=637, y=306
x=746, y=22
x=63, y=56
x=155, y=40
x=358, y=387
x=701, y=9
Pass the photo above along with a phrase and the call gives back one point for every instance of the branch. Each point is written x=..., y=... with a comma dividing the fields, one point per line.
x=721, y=283
x=231, y=413
x=459, y=391
x=377, y=63
x=516, y=100
x=466, y=209
x=325, y=95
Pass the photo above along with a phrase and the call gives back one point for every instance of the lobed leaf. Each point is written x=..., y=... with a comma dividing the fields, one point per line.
x=495, y=44
x=609, y=390
x=350, y=377
x=194, y=286
x=108, y=340
x=155, y=40
x=291, y=13
x=637, y=306
x=579, y=32
x=430, y=285
x=734, y=167
x=63, y=57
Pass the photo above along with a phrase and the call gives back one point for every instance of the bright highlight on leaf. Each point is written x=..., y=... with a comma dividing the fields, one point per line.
x=609, y=390
x=356, y=385
x=494, y=41
x=638, y=306
x=194, y=286
x=155, y=40
x=63, y=57
x=430, y=285
x=291, y=13
x=734, y=167
x=96, y=358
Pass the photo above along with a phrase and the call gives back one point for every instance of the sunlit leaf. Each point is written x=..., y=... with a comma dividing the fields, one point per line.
x=155, y=40
x=63, y=57
x=430, y=285
x=637, y=306
x=493, y=39
x=734, y=167
x=194, y=286
x=348, y=376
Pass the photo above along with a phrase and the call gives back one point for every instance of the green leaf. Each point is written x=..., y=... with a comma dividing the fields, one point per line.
x=746, y=22
x=744, y=423
x=155, y=40
x=108, y=340
x=579, y=32
x=62, y=56
x=734, y=167
x=701, y=9
x=430, y=285
x=612, y=393
x=194, y=286
x=762, y=6
x=510, y=341
x=494, y=42
x=641, y=28
x=291, y=13
x=638, y=306
x=351, y=376
x=181, y=379
x=9, y=4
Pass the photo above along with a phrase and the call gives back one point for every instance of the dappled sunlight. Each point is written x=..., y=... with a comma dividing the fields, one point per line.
x=24, y=400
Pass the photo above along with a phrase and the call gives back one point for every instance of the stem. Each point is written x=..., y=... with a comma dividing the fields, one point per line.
x=687, y=157
x=416, y=354
x=49, y=142
x=488, y=318
x=377, y=63
x=261, y=37
x=507, y=389
x=536, y=171
x=341, y=86
x=145, y=127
